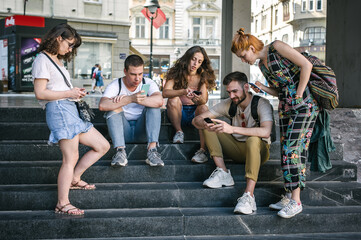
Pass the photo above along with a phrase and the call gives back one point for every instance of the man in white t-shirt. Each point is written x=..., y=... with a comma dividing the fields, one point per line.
x=244, y=140
x=133, y=115
x=93, y=74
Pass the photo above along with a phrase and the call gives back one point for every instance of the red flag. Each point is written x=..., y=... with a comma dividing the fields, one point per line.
x=158, y=17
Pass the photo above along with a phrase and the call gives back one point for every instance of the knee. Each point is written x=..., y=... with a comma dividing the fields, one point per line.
x=174, y=103
x=201, y=109
x=253, y=142
x=102, y=147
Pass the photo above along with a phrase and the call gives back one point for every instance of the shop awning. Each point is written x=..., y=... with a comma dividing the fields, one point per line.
x=132, y=50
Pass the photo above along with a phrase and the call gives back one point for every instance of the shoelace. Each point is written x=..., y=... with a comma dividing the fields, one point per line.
x=214, y=173
x=200, y=151
x=245, y=199
x=289, y=206
x=284, y=199
x=154, y=154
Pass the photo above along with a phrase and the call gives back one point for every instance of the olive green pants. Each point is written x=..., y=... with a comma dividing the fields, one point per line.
x=254, y=152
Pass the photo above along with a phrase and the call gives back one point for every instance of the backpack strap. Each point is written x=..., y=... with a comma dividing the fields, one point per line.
x=120, y=84
x=254, y=108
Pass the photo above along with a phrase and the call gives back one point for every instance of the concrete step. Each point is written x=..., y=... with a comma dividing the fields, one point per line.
x=115, y=223
x=45, y=172
x=177, y=194
x=39, y=150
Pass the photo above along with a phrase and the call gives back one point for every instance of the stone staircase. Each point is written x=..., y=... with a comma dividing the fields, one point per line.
x=140, y=202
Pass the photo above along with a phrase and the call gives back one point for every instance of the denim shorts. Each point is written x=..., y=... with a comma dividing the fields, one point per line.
x=63, y=121
x=188, y=113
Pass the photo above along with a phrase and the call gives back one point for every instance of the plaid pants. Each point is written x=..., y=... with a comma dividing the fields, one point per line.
x=296, y=131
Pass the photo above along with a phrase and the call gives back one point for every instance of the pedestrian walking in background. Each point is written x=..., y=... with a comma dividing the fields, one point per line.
x=187, y=85
x=51, y=87
x=99, y=79
x=93, y=74
x=287, y=73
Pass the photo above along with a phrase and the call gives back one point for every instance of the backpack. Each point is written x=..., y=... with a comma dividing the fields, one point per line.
x=322, y=83
x=254, y=107
x=120, y=84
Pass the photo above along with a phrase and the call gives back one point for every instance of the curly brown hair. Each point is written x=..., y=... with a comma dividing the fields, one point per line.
x=50, y=44
x=179, y=71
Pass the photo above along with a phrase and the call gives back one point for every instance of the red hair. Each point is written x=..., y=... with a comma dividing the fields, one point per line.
x=242, y=41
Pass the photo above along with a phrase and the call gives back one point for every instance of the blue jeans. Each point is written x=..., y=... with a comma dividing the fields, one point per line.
x=145, y=129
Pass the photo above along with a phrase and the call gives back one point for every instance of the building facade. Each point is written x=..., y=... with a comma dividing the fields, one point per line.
x=188, y=23
x=103, y=25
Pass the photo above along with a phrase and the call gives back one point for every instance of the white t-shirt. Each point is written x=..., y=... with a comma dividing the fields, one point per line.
x=264, y=111
x=43, y=68
x=132, y=111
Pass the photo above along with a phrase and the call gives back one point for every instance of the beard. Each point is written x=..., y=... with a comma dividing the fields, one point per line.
x=238, y=100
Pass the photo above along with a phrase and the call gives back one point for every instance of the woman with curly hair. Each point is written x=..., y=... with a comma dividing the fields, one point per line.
x=187, y=86
x=56, y=94
x=287, y=72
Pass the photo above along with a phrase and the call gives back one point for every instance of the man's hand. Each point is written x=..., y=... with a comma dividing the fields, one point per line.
x=219, y=126
x=138, y=97
x=118, y=98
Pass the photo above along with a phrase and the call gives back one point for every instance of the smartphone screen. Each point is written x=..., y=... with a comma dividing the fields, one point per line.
x=197, y=92
x=145, y=88
x=208, y=120
x=254, y=85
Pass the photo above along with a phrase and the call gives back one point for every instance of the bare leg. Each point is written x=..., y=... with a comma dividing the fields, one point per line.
x=99, y=145
x=296, y=195
x=174, y=110
x=199, y=110
x=220, y=163
x=251, y=184
x=69, y=149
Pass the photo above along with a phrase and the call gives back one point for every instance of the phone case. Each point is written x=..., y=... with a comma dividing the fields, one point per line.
x=145, y=87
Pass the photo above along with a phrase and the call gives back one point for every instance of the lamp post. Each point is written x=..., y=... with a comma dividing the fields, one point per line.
x=152, y=6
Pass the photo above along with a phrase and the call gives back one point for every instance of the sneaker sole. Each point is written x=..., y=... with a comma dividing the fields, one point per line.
x=199, y=161
x=218, y=186
x=275, y=207
x=289, y=216
x=246, y=213
x=153, y=165
x=118, y=165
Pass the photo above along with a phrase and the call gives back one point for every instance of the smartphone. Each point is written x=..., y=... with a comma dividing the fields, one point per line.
x=208, y=120
x=197, y=92
x=254, y=85
x=145, y=88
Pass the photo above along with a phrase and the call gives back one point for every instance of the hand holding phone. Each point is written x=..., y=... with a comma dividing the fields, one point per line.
x=197, y=92
x=145, y=88
x=255, y=86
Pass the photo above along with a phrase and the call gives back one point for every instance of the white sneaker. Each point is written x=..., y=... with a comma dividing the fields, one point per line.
x=290, y=210
x=281, y=204
x=178, y=137
x=219, y=178
x=200, y=156
x=246, y=204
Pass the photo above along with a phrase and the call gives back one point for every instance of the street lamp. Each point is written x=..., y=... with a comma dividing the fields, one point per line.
x=152, y=6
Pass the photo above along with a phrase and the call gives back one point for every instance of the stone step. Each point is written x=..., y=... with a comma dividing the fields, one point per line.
x=39, y=150
x=45, y=172
x=40, y=131
x=176, y=194
x=311, y=236
x=115, y=223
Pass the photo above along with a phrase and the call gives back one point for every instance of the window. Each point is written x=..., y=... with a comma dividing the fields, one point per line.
x=140, y=27
x=303, y=6
x=210, y=28
x=91, y=53
x=263, y=23
x=196, y=28
x=164, y=30
x=310, y=3
x=285, y=38
x=256, y=26
x=286, y=11
x=315, y=33
x=276, y=17
x=319, y=5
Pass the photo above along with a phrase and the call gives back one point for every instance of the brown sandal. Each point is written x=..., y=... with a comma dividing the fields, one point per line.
x=70, y=211
x=87, y=186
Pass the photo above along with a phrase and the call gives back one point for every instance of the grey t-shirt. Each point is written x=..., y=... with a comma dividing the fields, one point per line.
x=264, y=110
